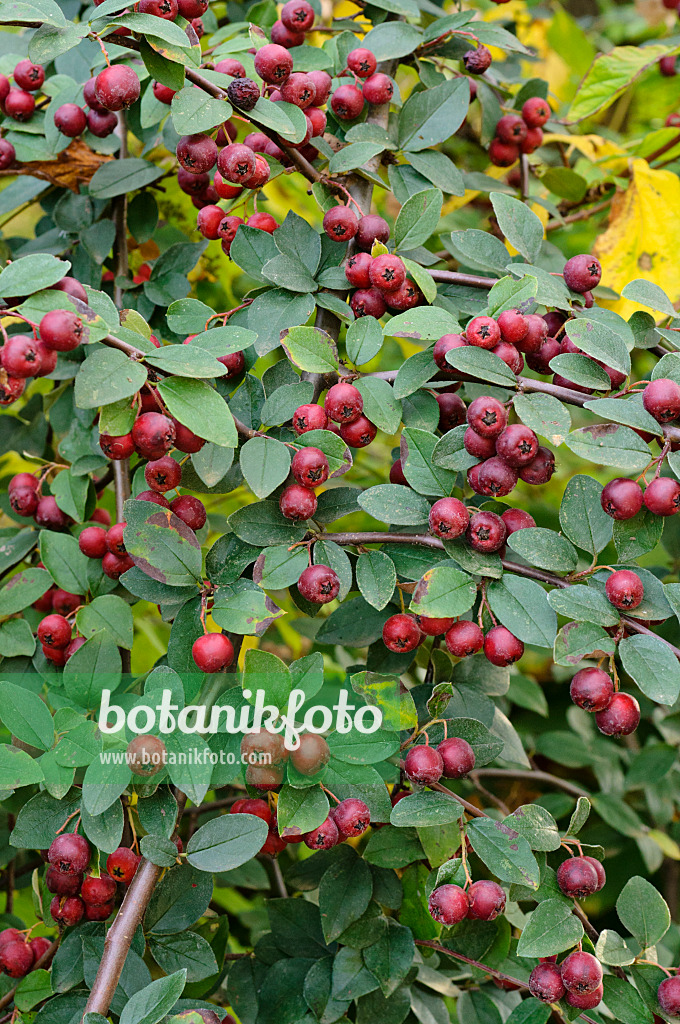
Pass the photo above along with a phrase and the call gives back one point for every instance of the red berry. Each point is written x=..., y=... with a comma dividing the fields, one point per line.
x=540, y=469
x=273, y=63
x=535, y=336
x=20, y=356
x=662, y=496
x=114, y=566
x=592, y=689
x=23, y=501
x=397, y=474
x=340, y=223
x=70, y=120
x=323, y=837
x=545, y=983
x=319, y=584
x=236, y=163
x=317, y=119
x=50, y=516
x=23, y=480
x=166, y=9
x=486, y=532
x=533, y=140
x=116, y=87
x=54, y=631
x=191, y=9
x=511, y=129
x=387, y=272
x=516, y=519
x=510, y=356
x=448, y=518
x=235, y=363
x=501, y=647
x=101, y=124
x=61, y=883
x=448, y=904
x=61, y=330
x=343, y=403
x=297, y=15
x=577, y=879
x=581, y=273
x=458, y=758
x=503, y=154
x=622, y=498
x=322, y=82
x=401, y=634
x=406, y=296
x=433, y=627
x=212, y=652
x=264, y=222
x=661, y=398
x=368, y=302
x=362, y=62
x=162, y=93
x=359, y=433
x=423, y=765
x=7, y=154
x=372, y=228
x=153, y=435
x=16, y=958
x=621, y=717
x=347, y=102
x=487, y=416
x=299, y=89
x=378, y=89
x=480, y=447
x=536, y=112
x=513, y=326
x=98, y=891
x=668, y=995
x=357, y=266
x=65, y=603
x=487, y=900
x=117, y=448
x=122, y=864
x=92, y=542
x=464, y=638
x=68, y=911
x=581, y=971
x=496, y=478
x=483, y=331
x=309, y=417
x=599, y=871
x=98, y=911
x=283, y=36
x=310, y=467
x=209, y=220
x=190, y=510
x=352, y=817
x=517, y=445
x=297, y=503
x=114, y=540
x=39, y=947
x=163, y=474
x=624, y=589
x=29, y=76
x=452, y=410
x=70, y=853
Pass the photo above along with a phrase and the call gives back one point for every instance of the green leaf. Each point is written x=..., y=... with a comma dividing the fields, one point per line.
x=439, y=169
x=424, y=323
x=310, y=348
x=478, y=250
x=443, y=592
x=26, y=715
x=184, y=951
x=544, y=548
x=390, y=958
x=584, y=604
x=425, y=809
x=376, y=578
x=519, y=224
x=481, y=365
x=226, y=842
x=449, y=451
x=506, y=854
x=581, y=370
x=629, y=411
x=413, y=373
x=245, y=611
x=394, y=503
x=345, y=891
x=537, y=825
x=103, y=785
x=32, y=274
x=363, y=340
x=380, y=404
x=119, y=177
x=643, y=911
x=418, y=219
x=529, y=1011
x=186, y=360
x=153, y=1002
x=107, y=376
x=282, y=567
x=261, y=524
x=265, y=463
x=64, y=560
x=552, y=927
x=16, y=639
x=612, y=949
x=601, y=342
x=432, y=115
x=200, y=408
x=582, y=517
x=95, y=667
x=578, y=640
x=625, y=1003
x=610, y=75
x=108, y=612
x=635, y=537
x=301, y=810
x=17, y=768
x=193, y=110
x=161, y=545
x=522, y=607
x=650, y=662
x=24, y=588
x=422, y=473
x=35, y=988
x=70, y=493
x=646, y=293
x=545, y=415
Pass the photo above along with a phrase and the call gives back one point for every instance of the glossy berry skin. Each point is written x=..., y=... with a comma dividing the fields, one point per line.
x=359, y=433
x=487, y=416
x=452, y=411
x=352, y=817
x=209, y=220
x=341, y=224
x=372, y=228
x=20, y=356
x=101, y=124
x=263, y=222
x=668, y=995
x=163, y=474
x=401, y=634
x=387, y=272
x=212, y=652
x=458, y=758
x=407, y=296
x=297, y=503
x=190, y=510
x=23, y=501
x=487, y=900
x=29, y=76
x=536, y=334
x=122, y=864
x=622, y=498
x=70, y=853
x=323, y=837
x=397, y=474
x=624, y=589
x=599, y=871
x=464, y=638
x=70, y=120
x=448, y=904
x=343, y=403
x=310, y=467
x=581, y=273
x=68, y=911
x=39, y=947
x=16, y=958
x=517, y=519
x=577, y=879
x=61, y=883
x=445, y=344
x=61, y=330
x=7, y=154
x=117, y=87
x=517, y=445
x=378, y=89
x=433, y=627
x=50, y=516
x=54, y=631
x=662, y=496
x=273, y=63
x=486, y=532
x=536, y=112
x=423, y=765
x=581, y=972
x=591, y=689
x=448, y=518
x=92, y=542
x=661, y=399
x=496, y=478
x=309, y=417
x=621, y=717
x=153, y=435
x=97, y=891
x=319, y=584
x=235, y=363
x=540, y=469
x=347, y=102
x=545, y=983
x=480, y=447
x=501, y=647
x=19, y=105
x=357, y=267
x=362, y=62
x=236, y=163
x=483, y=331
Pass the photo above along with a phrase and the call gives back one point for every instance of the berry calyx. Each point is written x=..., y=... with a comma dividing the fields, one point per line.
x=310, y=467
x=496, y=477
x=387, y=272
x=324, y=836
x=581, y=273
x=448, y=518
x=487, y=416
x=423, y=765
x=319, y=584
x=343, y=403
x=545, y=983
x=448, y=904
x=309, y=417
x=163, y=474
x=457, y=756
x=273, y=63
x=122, y=864
x=486, y=532
x=624, y=589
x=483, y=331
x=362, y=62
x=341, y=224
x=213, y=652
x=69, y=853
x=352, y=817
x=517, y=445
x=54, y=631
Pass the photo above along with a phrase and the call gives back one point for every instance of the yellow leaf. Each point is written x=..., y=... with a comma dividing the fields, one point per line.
x=643, y=237
x=595, y=148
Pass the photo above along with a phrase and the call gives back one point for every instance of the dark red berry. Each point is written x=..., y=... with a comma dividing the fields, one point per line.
x=533, y=140
x=448, y=904
x=501, y=647
x=378, y=89
x=299, y=89
x=661, y=398
x=477, y=61
x=209, y=220
x=359, y=433
x=372, y=228
x=263, y=222
x=70, y=853
x=545, y=983
x=496, y=478
x=212, y=652
x=162, y=93
x=19, y=105
x=70, y=120
x=309, y=417
x=61, y=330
x=319, y=584
x=540, y=469
x=273, y=63
x=622, y=498
x=236, y=163
x=122, y=864
x=352, y=817
x=445, y=344
x=54, y=631
x=401, y=634
x=64, y=603
x=464, y=638
x=511, y=128
x=297, y=15
x=510, y=356
x=397, y=474
x=536, y=112
x=624, y=589
x=448, y=518
x=117, y=448
x=50, y=516
x=487, y=900
x=340, y=223
x=362, y=62
x=480, y=447
x=621, y=717
x=297, y=503
x=163, y=474
x=7, y=154
x=16, y=958
x=668, y=994
x=458, y=758
x=599, y=871
x=487, y=416
x=322, y=82
x=536, y=334
x=423, y=765
x=343, y=403
x=29, y=76
x=581, y=971
x=325, y=836
x=39, y=947
x=517, y=445
x=516, y=519
x=92, y=542
x=592, y=689
x=406, y=296
x=581, y=273
x=503, y=154
x=101, y=124
x=347, y=102
x=662, y=496
x=20, y=356
x=486, y=532
x=116, y=87
x=61, y=883
x=577, y=879
x=97, y=891
x=24, y=501
x=387, y=272
x=357, y=266
x=153, y=435
x=68, y=911
x=283, y=36
x=190, y=510
x=310, y=467
x=483, y=331
x=368, y=302
x=114, y=540
x=452, y=410
x=433, y=627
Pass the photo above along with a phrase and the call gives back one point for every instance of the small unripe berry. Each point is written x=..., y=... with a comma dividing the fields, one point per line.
x=146, y=755
x=423, y=765
x=448, y=904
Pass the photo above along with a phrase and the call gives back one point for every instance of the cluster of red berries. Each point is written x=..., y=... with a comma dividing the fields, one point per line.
x=19, y=954
x=453, y=758
x=380, y=281
x=341, y=413
x=24, y=356
x=509, y=452
x=370, y=86
x=616, y=713
x=623, y=498
x=517, y=133
x=482, y=901
x=578, y=980
x=76, y=895
x=668, y=995
x=405, y=632
x=18, y=101
x=348, y=820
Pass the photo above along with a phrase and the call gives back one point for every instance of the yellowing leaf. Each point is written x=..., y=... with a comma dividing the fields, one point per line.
x=610, y=75
x=595, y=148
x=643, y=237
